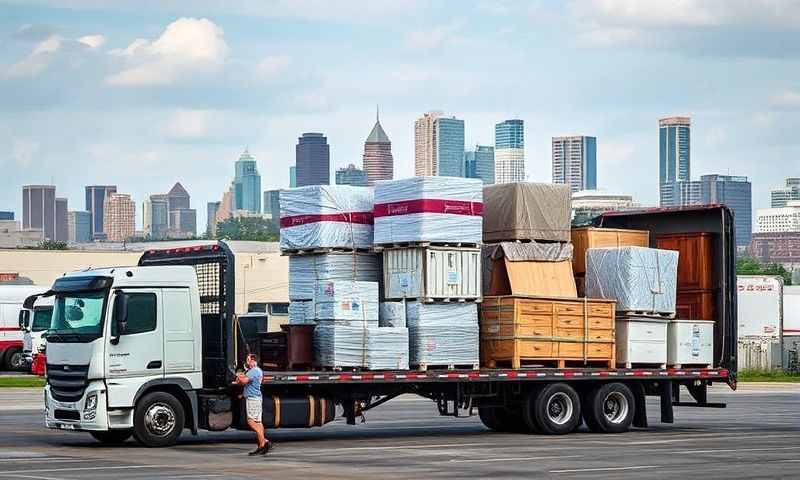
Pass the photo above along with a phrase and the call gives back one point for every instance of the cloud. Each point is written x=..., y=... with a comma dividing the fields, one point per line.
x=38, y=60
x=187, y=46
x=272, y=66
x=92, y=41
x=786, y=99
x=434, y=37
x=189, y=124
x=24, y=152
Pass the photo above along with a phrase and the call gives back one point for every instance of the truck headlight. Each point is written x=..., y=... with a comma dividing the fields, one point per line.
x=90, y=407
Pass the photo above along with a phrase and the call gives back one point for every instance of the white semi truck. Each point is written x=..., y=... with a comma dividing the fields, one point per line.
x=150, y=350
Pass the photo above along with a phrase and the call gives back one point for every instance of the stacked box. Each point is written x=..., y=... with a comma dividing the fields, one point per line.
x=432, y=273
x=326, y=216
x=347, y=301
x=428, y=209
x=392, y=314
x=442, y=333
x=301, y=312
x=306, y=271
x=376, y=348
x=640, y=279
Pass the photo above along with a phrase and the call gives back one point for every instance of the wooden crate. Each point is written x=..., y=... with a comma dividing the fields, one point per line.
x=695, y=258
x=553, y=331
x=590, y=237
x=541, y=278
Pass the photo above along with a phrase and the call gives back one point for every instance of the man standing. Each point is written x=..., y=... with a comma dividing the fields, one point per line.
x=252, y=395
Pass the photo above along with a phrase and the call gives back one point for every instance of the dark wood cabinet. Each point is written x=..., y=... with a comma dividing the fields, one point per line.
x=695, y=268
x=695, y=305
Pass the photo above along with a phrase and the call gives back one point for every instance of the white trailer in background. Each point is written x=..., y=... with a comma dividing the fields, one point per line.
x=791, y=328
x=760, y=315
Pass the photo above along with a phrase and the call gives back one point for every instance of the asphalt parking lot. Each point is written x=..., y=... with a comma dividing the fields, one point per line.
x=757, y=436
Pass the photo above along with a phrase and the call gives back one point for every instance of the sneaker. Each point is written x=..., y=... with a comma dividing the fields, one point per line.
x=266, y=448
x=257, y=451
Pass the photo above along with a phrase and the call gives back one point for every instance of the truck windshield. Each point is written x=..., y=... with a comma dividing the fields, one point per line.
x=77, y=317
x=41, y=319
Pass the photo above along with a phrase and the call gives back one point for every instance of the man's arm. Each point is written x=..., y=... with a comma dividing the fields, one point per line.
x=241, y=379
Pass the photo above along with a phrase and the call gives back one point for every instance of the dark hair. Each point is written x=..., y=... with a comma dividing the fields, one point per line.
x=252, y=355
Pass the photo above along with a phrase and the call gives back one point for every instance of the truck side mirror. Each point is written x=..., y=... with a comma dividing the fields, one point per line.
x=24, y=319
x=119, y=319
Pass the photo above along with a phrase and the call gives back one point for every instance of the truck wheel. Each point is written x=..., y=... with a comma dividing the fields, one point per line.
x=158, y=420
x=609, y=408
x=15, y=359
x=488, y=416
x=112, y=437
x=555, y=409
x=502, y=419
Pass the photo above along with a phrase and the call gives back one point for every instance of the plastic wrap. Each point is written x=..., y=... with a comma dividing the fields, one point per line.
x=392, y=314
x=428, y=209
x=305, y=271
x=301, y=312
x=377, y=348
x=442, y=333
x=527, y=211
x=322, y=216
x=638, y=278
x=347, y=301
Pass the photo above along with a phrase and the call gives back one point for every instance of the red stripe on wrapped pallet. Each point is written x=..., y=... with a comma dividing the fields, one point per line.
x=427, y=205
x=363, y=218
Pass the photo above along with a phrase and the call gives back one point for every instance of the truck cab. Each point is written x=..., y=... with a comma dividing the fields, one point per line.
x=12, y=314
x=123, y=353
x=34, y=320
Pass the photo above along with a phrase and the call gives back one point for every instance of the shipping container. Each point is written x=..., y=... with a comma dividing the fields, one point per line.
x=791, y=310
x=760, y=305
x=432, y=273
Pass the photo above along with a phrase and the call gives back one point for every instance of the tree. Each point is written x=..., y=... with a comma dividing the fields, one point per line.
x=247, y=228
x=751, y=266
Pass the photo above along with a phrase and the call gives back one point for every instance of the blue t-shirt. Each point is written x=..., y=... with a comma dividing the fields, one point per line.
x=253, y=387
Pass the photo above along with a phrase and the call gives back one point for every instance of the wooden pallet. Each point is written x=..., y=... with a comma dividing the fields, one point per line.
x=436, y=299
x=387, y=246
x=317, y=251
x=424, y=367
x=530, y=362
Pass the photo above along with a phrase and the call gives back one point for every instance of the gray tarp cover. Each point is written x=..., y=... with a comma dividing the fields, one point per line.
x=521, y=211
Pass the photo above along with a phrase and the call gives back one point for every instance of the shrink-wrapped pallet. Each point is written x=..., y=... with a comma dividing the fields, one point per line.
x=442, y=333
x=527, y=211
x=376, y=348
x=347, y=301
x=301, y=312
x=326, y=216
x=305, y=271
x=640, y=279
x=392, y=314
x=428, y=209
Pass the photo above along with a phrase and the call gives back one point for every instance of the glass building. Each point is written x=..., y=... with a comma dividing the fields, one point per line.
x=79, y=227
x=509, y=151
x=272, y=206
x=313, y=160
x=575, y=162
x=292, y=176
x=449, y=144
x=674, y=159
x=247, y=184
x=351, y=175
x=480, y=163
x=790, y=192
x=95, y=198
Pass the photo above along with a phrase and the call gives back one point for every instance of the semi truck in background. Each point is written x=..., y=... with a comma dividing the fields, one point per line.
x=34, y=321
x=12, y=311
x=150, y=350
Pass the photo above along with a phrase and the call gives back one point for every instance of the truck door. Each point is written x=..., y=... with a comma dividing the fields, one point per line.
x=138, y=356
x=179, y=345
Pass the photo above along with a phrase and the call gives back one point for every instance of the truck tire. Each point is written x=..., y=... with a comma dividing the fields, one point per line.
x=112, y=437
x=609, y=408
x=158, y=420
x=15, y=359
x=502, y=419
x=555, y=409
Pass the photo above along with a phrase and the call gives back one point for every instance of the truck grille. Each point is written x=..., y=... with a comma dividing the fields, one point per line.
x=67, y=382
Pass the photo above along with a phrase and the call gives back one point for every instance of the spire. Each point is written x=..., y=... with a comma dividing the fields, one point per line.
x=377, y=113
x=377, y=135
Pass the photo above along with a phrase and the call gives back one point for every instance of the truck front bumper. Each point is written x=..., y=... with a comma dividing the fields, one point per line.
x=88, y=413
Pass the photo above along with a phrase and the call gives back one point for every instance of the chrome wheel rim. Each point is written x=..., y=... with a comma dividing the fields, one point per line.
x=159, y=419
x=559, y=408
x=17, y=361
x=615, y=407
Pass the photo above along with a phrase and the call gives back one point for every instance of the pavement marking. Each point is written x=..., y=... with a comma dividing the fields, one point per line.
x=124, y=467
x=37, y=477
x=513, y=459
x=205, y=475
x=728, y=450
x=607, y=469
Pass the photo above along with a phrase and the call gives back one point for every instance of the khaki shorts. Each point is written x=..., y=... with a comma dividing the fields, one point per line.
x=254, y=408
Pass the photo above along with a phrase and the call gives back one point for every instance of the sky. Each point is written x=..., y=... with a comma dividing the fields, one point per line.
x=144, y=93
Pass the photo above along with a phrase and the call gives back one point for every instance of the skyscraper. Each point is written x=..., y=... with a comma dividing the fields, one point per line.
x=351, y=175
x=119, y=214
x=378, y=161
x=6, y=215
x=480, y=163
x=79, y=224
x=313, y=160
x=272, y=205
x=425, y=159
x=183, y=223
x=292, y=176
x=95, y=198
x=575, y=162
x=733, y=191
x=39, y=209
x=791, y=191
x=246, y=184
x=155, y=216
x=62, y=208
x=178, y=197
x=509, y=151
x=211, y=218
x=674, y=159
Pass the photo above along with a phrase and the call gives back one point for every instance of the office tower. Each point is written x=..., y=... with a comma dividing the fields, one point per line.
x=425, y=158
x=780, y=219
x=479, y=163
x=450, y=146
x=95, y=199
x=674, y=159
x=6, y=215
x=178, y=198
x=119, y=216
x=155, y=216
x=62, y=208
x=39, y=209
x=272, y=206
x=225, y=210
x=733, y=191
x=378, y=161
x=588, y=204
x=575, y=162
x=313, y=160
x=351, y=175
x=79, y=227
x=183, y=223
x=246, y=184
x=791, y=191
x=292, y=176
x=211, y=219
x=509, y=151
